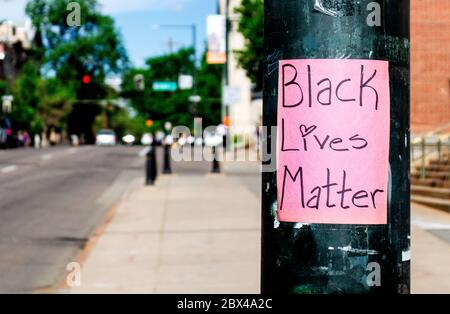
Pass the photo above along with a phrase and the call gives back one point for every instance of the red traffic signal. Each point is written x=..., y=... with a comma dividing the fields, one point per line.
x=86, y=79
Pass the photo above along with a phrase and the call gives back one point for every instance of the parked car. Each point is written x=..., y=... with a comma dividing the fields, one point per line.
x=128, y=139
x=106, y=137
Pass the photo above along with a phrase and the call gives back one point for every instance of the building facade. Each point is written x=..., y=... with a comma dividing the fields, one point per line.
x=14, y=43
x=430, y=65
x=246, y=114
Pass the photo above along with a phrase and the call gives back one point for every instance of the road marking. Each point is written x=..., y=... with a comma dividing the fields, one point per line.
x=46, y=156
x=9, y=169
x=144, y=151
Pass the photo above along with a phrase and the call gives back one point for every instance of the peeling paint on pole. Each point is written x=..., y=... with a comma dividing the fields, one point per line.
x=309, y=257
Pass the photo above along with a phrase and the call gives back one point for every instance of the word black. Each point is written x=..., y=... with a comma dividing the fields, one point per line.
x=327, y=91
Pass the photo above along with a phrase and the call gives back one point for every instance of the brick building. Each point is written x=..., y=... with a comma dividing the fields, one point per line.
x=430, y=65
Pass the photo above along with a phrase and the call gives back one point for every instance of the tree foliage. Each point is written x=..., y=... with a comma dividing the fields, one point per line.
x=95, y=48
x=175, y=106
x=50, y=83
x=251, y=26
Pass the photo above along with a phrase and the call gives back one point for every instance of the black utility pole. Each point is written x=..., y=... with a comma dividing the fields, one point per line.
x=227, y=29
x=305, y=257
x=194, y=47
x=226, y=72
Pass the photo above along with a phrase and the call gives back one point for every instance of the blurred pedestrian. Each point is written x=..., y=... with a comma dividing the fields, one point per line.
x=53, y=138
x=20, y=139
x=26, y=139
x=74, y=139
x=58, y=138
x=37, y=141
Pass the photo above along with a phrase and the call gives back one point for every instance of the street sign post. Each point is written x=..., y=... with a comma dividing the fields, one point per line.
x=336, y=208
x=185, y=81
x=195, y=98
x=231, y=95
x=164, y=86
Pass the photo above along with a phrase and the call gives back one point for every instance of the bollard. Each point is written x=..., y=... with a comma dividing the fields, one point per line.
x=215, y=163
x=167, y=166
x=327, y=91
x=151, y=171
x=154, y=162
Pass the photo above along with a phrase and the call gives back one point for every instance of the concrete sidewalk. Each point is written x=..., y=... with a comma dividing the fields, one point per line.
x=430, y=247
x=194, y=232
x=190, y=233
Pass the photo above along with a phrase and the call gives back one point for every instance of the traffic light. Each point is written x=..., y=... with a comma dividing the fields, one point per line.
x=86, y=79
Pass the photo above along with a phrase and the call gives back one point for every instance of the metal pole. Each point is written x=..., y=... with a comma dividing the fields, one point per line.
x=193, y=28
x=154, y=162
x=227, y=5
x=439, y=146
x=215, y=163
x=150, y=166
x=194, y=47
x=305, y=257
x=423, y=148
x=226, y=108
x=167, y=169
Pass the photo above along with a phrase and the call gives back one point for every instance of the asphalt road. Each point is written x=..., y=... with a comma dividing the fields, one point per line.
x=50, y=202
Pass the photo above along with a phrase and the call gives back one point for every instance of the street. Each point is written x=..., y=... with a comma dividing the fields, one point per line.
x=50, y=202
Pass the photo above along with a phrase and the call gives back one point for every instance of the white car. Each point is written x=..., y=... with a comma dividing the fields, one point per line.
x=128, y=139
x=106, y=137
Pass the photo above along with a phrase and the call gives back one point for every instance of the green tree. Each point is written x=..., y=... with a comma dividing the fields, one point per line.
x=251, y=26
x=175, y=106
x=4, y=88
x=26, y=97
x=56, y=102
x=65, y=54
x=40, y=103
x=95, y=48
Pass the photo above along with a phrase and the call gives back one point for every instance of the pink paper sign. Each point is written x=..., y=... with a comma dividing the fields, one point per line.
x=333, y=141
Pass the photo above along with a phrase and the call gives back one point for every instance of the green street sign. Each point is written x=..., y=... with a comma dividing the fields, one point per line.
x=165, y=86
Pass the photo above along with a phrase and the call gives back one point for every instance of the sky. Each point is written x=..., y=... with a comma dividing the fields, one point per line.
x=136, y=20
